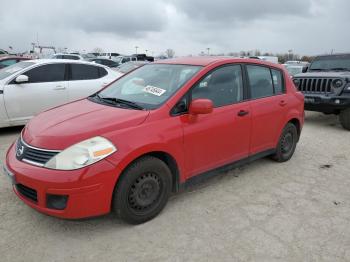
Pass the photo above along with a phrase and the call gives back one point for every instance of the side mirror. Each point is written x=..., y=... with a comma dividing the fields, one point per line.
x=201, y=106
x=305, y=68
x=22, y=79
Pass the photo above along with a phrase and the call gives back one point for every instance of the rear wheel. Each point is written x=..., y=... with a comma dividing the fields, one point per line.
x=143, y=190
x=344, y=118
x=287, y=143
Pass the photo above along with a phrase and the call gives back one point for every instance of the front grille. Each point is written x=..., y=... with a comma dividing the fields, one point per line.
x=32, y=155
x=315, y=85
x=27, y=192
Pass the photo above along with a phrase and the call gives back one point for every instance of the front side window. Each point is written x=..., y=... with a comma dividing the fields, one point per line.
x=224, y=86
x=150, y=85
x=7, y=71
x=46, y=73
x=260, y=81
x=84, y=72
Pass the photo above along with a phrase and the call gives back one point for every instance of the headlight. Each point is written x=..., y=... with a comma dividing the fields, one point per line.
x=82, y=154
x=337, y=83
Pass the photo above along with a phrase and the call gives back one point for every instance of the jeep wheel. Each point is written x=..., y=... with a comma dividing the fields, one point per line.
x=287, y=143
x=344, y=118
x=143, y=190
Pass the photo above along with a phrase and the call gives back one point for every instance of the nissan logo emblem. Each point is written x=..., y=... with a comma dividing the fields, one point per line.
x=20, y=150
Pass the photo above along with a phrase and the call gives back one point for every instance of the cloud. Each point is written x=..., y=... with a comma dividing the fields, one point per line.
x=223, y=11
x=129, y=18
x=187, y=26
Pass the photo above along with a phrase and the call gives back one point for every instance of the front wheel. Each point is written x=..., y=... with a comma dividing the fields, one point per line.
x=344, y=118
x=143, y=190
x=287, y=143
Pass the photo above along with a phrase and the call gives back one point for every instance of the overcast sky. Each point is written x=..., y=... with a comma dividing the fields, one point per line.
x=187, y=26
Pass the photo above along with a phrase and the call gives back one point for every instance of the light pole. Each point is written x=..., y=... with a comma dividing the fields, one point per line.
x=290, y=52
x=136, y=47
x=208, y=49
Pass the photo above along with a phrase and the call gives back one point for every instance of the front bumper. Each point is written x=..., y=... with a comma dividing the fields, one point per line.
x=327, y=104
x=89, y=189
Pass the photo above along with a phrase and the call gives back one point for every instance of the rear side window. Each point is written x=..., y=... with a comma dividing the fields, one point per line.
x=84, y=72
x=277, y=79
x=260, y=81
x=223, y=86
x=46, y=73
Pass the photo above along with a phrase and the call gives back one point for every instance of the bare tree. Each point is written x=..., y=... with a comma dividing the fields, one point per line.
x=170, y=53
x=98, y=50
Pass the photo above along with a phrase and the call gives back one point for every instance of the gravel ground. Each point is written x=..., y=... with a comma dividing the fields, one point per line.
x=265, y=211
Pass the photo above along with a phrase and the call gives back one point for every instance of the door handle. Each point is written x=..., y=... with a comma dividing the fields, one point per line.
x=283, y=103
x=243, y=113
x=59, y=88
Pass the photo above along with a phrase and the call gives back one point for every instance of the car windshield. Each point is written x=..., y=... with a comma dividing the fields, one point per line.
x=294, y=70
x=88, y=56
x=7, y=71
x=117, y=59
x=127, y=67
x=151, y=85
x=334, y=62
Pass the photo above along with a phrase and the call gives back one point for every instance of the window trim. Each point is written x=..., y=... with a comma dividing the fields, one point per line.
x=189, y=91
x=273, y=85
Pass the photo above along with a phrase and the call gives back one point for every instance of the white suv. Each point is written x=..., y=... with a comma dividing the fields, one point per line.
x=32, y=86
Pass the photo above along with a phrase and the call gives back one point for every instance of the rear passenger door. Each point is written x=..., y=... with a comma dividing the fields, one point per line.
x=266, y=86
x=84, y=80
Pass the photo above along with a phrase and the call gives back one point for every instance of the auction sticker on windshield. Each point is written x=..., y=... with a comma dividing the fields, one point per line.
x=154, y=90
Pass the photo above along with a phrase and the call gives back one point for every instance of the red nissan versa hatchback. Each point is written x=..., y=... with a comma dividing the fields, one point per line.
x=149, y=133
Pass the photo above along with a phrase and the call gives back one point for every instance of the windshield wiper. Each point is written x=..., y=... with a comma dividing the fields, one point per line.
x=340, y=69
x=317, y=69
x=116, y=101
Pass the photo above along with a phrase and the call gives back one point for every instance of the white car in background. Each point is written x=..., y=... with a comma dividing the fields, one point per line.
x=32, y=86
x=73, y=56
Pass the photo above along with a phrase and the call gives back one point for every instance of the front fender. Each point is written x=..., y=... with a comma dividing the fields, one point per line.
x=4, y=121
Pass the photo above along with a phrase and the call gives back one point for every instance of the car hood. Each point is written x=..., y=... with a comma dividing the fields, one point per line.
x=69, y=124
x=332, y=74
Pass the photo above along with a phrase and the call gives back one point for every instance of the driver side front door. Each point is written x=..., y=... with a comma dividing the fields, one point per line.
x=223, y=136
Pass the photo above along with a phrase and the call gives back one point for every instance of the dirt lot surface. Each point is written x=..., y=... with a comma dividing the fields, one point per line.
x=296, y=211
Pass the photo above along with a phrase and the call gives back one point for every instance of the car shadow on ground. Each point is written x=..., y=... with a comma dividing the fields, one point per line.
x=322, y=120
x=110, y=221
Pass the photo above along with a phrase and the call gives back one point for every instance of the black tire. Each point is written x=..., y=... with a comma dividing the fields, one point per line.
x=286, y=144
x=143, y=190
x=344, y=118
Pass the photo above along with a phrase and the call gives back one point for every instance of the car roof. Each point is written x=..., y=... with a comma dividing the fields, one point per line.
x=207, y=60
x=61, y=61
x=14, y=57
x=66, y=54
x=295, y=66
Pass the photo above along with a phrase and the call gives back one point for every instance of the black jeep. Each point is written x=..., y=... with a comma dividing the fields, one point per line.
x=326, y=86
